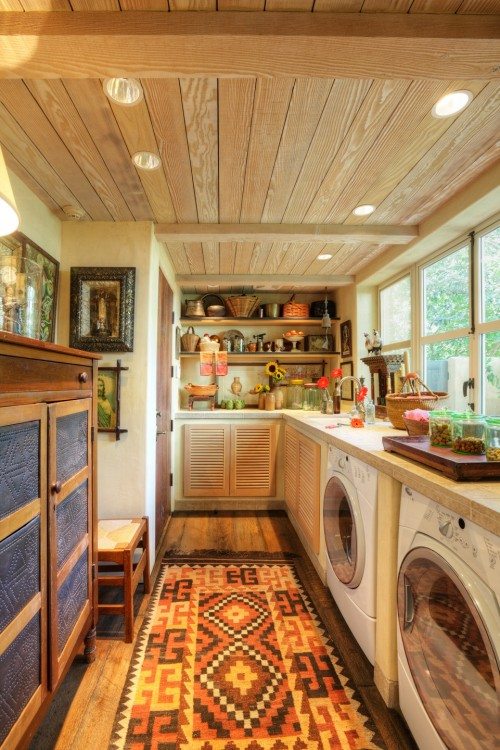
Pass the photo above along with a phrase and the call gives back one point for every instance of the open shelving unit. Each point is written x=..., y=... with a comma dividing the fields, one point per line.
x=253, y=321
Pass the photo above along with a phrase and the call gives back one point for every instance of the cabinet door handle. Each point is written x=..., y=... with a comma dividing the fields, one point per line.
x=57, y=487
x=83, y=377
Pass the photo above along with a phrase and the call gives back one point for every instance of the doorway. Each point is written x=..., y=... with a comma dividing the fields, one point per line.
x=163, y=407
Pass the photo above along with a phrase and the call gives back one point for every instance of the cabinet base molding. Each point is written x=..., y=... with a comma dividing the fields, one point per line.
x=388, y=689
x=228, y=504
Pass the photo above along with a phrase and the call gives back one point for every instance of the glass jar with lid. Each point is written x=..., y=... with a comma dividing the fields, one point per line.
x=295, y=394
x=440, y=427
x=493, y=439
x=468, y=434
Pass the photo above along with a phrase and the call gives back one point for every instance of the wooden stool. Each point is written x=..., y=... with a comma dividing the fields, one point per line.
x=210, y=399
x=117, y=541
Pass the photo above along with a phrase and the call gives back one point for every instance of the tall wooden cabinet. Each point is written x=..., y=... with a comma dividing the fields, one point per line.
x=47, y=525
x=302, y=484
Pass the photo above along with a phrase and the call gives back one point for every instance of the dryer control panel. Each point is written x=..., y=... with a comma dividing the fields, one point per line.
x=474, y=545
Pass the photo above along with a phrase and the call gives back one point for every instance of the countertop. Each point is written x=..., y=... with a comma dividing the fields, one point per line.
x=477, y=501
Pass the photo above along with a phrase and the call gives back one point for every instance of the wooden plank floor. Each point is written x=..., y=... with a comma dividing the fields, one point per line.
x=82, y=714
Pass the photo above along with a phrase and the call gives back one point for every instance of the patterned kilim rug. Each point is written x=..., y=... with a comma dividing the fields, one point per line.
x=233, y=656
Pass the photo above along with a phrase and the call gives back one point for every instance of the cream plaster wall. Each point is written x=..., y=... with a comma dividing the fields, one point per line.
x=126, y=468
x=37, y=221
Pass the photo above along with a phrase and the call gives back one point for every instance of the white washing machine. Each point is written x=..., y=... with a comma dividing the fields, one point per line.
x=449, y=627
x=350, y=526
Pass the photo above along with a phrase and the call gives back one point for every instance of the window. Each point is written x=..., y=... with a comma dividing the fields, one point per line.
x=395, y=313
x=487, y=339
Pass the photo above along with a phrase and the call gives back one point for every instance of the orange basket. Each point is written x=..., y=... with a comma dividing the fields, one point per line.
x=201, y=390
x=292, y=309
x=413, y=395
x=415, y=427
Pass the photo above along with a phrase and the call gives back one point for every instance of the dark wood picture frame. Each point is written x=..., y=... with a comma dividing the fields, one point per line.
x=102, y=309
x=19, y=244
x=109, y=398
x=346, y=339
x=347, y=392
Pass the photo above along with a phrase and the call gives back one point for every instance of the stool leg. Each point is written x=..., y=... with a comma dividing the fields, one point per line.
x=145, y=545
x=128, y=599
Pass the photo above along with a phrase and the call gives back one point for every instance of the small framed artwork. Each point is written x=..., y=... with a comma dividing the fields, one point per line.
x=320, y=342
x=108, y=399
x=347, y=392
x=17, y=245
x=346, y=339
x=102, y=309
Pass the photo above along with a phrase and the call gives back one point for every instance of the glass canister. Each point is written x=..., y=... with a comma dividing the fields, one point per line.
x=440, y=427
x=310, y=402
x=468, y=434
x=493, y=439
x=295, y=394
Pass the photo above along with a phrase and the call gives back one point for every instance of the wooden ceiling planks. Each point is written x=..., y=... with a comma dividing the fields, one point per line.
x=178, y=257
x=199, y=98
x=15, y=166
x=53, y=98
x=46, y=5
x=236, y=96
x=96, y=114
x=165, y=106
x=271, y=102
x=307, y=104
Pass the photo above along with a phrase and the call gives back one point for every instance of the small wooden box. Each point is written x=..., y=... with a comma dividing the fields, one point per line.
x=315, y=342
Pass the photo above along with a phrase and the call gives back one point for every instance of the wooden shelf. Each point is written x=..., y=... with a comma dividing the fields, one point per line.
x=254, y=322
x=245, y=357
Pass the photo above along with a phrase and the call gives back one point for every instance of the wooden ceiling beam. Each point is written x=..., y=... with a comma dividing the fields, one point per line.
x=264, y=281
x=381, y=234
x=225, y=44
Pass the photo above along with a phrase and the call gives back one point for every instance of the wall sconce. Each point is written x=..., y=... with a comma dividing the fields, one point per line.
x=9, y=215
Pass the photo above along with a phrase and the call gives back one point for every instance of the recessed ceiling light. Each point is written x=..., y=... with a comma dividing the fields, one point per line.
x=126, y=91
x=364, y=210
x=146, y=160
x=451, y=104
x=323, y=256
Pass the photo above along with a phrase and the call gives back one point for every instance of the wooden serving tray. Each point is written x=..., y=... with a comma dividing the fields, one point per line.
x=454, y=465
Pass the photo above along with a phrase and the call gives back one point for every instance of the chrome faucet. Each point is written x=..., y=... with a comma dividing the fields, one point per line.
x=338, y=391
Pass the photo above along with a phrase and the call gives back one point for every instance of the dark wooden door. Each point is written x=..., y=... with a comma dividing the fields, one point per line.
x=163, y=406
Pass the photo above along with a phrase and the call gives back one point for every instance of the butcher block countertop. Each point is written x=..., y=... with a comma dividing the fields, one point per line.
x=477, y=501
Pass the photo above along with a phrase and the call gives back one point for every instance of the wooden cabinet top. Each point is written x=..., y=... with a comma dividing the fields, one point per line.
x=44, y=347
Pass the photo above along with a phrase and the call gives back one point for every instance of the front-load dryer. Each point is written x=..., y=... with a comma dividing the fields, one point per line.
x=350, y=526
x=449, y=627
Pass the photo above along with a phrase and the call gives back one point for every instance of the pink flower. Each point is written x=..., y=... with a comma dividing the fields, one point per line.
x=322, y=382
x=362, y=394
x=337, y=373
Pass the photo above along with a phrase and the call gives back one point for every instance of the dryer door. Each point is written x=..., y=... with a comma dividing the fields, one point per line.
x=344, y=536
x=448, y=641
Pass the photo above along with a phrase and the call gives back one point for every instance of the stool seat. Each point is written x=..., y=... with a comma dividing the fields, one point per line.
x=117, y=540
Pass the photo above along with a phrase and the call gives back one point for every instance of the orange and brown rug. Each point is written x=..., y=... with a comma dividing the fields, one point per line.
x=233, y=656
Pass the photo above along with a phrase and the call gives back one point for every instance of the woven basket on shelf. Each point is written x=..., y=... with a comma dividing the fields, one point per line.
x=242, y=306
x=209, y=346
x=414, y=395
x=415, y=427
x=201, y=390
x=292, y=309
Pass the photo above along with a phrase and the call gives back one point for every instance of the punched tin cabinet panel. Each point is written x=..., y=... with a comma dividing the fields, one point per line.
x=19, y=457
x=71, y=599
x=19, y=570
x=71, y=522
x=19, y=675
x=72, y=455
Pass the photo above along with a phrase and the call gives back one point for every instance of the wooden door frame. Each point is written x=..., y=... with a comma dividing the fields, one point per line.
x=164, y=362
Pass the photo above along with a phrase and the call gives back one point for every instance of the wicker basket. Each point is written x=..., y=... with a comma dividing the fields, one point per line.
x=209, y=346
x=242, y=306
x=414, y=395
x=189, y=340
x=292, y=309
x=201, y=390
x=415, y=427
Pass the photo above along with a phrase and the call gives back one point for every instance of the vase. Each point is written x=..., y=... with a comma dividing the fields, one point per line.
x=270, y=403
x=278, y=396
x=236, y=386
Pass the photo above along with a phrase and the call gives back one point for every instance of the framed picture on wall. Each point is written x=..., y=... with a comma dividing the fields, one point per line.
x=17, y=245
x=346, y=339
x=108, y=399
x=102, y=309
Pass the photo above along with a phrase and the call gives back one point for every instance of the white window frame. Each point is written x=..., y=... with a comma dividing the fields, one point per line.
x=403, y=343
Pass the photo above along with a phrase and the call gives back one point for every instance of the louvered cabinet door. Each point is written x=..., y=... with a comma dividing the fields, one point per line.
x=206, y=460
x=253, y=460
x=70, y=524
x=23, y=571
x=308, y=506
x=291, y=468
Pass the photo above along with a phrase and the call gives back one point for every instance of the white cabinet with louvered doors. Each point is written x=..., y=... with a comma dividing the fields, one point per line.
x=223, y=460
x=302, y=484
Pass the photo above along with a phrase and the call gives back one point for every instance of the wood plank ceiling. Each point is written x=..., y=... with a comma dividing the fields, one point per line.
x=252, y=150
